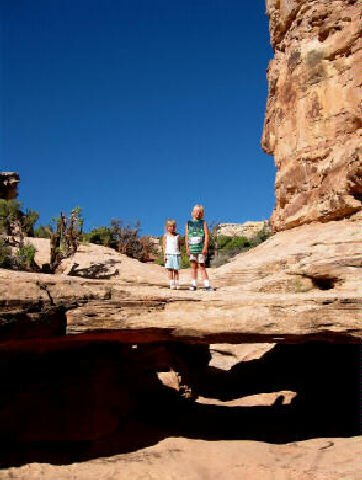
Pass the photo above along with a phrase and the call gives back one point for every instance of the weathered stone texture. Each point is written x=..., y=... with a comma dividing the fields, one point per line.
x=246, y=229
x=299, y=285
x=313, y=113
x=9, y=185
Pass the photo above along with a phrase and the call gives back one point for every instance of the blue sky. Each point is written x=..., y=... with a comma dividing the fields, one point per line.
x=136, y=109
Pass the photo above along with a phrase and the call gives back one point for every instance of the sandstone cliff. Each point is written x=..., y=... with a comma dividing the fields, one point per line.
x=246, y=229
x=313, y=119
x=82, y=351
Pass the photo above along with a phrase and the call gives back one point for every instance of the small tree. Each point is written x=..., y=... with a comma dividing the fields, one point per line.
x=64, y=239
x=5, y=254
x=127, y=237
x=74, y=228
x=24, y=257
x=10, y=216
x=28, y=221
x=101, y=236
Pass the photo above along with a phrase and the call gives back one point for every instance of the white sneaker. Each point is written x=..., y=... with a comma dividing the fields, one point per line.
x=192, y=288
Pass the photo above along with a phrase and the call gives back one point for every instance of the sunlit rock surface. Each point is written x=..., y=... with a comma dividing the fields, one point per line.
x=313, y=113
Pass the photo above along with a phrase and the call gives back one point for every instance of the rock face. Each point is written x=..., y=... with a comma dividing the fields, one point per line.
x=94, y=359
x=95, y=368
x=246, y=229
x=298, y=285
x=313, y=118
x=9, y=185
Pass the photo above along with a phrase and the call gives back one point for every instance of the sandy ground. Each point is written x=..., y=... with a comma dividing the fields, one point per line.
x=185, y=459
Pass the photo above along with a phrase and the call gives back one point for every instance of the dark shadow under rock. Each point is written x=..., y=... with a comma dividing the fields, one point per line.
x=104, y=399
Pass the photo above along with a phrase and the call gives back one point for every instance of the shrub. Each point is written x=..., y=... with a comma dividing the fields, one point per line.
x=12, y=219
x=24, y=257
x=28, y=222
x=101, y=236
x=5, y=254
x=262, y=235
x=9, y=213
x=236, y=244
x=43, y=231
x=21, y=259
x=225, y=247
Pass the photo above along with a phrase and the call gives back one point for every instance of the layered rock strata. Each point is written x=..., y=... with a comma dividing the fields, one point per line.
x=298, y=285
x=313, y=113
x=246, y=229
x=82, y=351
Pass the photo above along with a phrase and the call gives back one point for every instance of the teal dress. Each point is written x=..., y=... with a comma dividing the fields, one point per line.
x=196, y=234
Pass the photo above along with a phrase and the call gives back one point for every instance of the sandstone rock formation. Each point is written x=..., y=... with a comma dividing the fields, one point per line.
x=94, y=359
x=299, y=285
x=9, y=185
x=246, y=229
x=313, y=113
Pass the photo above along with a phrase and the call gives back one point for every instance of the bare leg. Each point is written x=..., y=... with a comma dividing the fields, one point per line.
x=203, y=271
x=193, y=270
x=170, y=274
x=175, y=275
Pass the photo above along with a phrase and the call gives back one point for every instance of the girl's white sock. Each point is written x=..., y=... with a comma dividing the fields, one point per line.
x=172, y=283
x=193, y=283
x=176, y=282
x=207, y=282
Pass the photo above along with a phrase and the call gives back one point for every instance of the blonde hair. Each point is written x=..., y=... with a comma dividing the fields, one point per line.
x=198, y=207
x=170, y=222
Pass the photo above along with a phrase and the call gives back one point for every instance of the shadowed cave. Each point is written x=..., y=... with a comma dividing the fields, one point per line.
x=100, y=399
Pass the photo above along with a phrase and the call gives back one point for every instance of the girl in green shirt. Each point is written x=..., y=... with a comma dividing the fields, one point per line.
x=197, y=242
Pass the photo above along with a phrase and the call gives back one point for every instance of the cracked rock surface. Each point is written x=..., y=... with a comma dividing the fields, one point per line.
x=299, y=285
x=312, y=121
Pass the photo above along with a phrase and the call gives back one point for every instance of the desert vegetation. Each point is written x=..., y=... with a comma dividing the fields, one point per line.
x=15, y=253
x=224, y=248
x=65, y=233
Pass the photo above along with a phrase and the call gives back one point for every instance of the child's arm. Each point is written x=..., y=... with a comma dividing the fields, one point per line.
x=164, y=248
x=187, y=239
x=206, y=246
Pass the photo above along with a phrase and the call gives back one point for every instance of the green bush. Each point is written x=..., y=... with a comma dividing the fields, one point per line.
x=28, y=221
x=224, y=248
x=101, y=236
x=5, y=254
x=21, y=259
x=9, y=213
x=236, y=244
x=24, y=257
x=12, y=216
x=221, y=241
x=43, y=231
x=262, y=235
